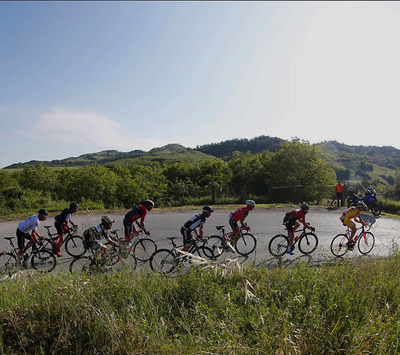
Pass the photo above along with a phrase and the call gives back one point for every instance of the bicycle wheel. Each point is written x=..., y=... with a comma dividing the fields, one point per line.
x=81, y=264
x=43, y=261
x=125, y=262
x=216, y=244
x=8, y=264
x=163, y=261
x=144, y=249
x=376, y=209
x=246, y=244
x=366, y=242
x=75, y=247
x=278, y=245
x=339, y=245
x=308, y=243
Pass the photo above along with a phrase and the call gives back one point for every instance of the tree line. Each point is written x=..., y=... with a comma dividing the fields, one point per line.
x=265, y=176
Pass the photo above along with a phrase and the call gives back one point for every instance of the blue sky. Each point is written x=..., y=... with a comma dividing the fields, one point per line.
x=81, y=77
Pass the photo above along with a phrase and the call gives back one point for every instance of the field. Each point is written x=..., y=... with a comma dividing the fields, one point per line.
x=224, y=309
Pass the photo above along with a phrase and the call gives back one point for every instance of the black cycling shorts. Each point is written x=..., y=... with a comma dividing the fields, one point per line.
x=289, y=221
x=21, y=236
x=187, y=236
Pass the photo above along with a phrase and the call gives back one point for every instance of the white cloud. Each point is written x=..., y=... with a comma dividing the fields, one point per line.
x=66, y=125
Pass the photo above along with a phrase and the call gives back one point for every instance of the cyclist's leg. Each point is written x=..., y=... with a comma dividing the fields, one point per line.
x=348, y=223
x=21, y=243
x=129, y=230
x=60, y=238
x=235, y=232
x=187, y=239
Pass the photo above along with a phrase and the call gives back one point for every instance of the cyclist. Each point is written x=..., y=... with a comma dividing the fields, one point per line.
x=61, y=222
x=195, y=224
x=136, y=213
x=291, y=222
x=92, y=234
x=239, y=216
x=353, y=212
x=29, y=225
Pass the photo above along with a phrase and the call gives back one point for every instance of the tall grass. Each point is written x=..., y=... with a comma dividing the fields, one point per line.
x=345, y=308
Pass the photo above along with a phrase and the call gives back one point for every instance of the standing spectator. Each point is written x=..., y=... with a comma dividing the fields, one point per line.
x=339, y=193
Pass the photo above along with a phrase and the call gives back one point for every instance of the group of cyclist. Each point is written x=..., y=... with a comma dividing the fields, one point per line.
x=27, y=230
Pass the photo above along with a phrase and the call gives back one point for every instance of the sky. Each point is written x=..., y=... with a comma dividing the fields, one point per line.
x=82, y=77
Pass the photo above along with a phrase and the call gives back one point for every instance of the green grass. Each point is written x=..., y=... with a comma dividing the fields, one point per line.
x=345, y=308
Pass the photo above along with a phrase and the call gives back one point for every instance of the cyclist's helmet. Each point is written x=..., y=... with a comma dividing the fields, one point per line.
x=305, y=208
x=250, y=203
x=362, y=205
x=43, y=212
x=207, y=208
x=149, y=204
x=73, y=206
x=106, y=220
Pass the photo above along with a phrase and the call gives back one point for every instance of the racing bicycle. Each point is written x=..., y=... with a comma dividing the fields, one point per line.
x=41, y=259
x=144, y=247
x=165, y=261
x=245, y=245
x=73, y=243
x=115, y=258
x=365, y=241
x=307, y=241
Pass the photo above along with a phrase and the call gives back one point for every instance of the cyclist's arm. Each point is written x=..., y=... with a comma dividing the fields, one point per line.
x=35, y=235
x=200, y=233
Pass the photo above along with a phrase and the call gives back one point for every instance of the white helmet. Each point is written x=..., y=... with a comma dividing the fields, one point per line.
x=250, y=203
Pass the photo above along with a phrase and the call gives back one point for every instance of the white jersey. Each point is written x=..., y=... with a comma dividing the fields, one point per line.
x=29, y=224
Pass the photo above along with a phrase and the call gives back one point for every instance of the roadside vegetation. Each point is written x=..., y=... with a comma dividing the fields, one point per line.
x=341, y=308
x=294, y=172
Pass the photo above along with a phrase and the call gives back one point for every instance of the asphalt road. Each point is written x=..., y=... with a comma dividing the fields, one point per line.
x=265, y=223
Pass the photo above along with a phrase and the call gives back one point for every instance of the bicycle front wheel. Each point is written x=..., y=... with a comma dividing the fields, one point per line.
x=366, y=242
x=79, y=265
x=246, y=244
x=75, y=247
x=125, y=262
x=8, y=264
x=278, y=245
x=163, y=261
x=308, y=243
x=339, y=245
x=216, y=244
x=144, y=249
x=43, y=261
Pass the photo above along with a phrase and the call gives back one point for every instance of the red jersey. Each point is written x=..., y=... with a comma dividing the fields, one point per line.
x=239, y=214
x=298, y=214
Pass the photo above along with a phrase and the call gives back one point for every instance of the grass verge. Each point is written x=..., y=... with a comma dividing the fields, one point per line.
x=344, y=308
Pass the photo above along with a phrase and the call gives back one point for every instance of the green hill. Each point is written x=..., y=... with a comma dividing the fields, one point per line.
x=170, y=153
x=349, y=162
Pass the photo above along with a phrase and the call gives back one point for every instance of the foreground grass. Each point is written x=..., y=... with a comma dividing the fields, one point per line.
x=307, y=310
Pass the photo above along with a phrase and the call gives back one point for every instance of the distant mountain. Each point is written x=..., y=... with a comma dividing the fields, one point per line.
x=170, y=153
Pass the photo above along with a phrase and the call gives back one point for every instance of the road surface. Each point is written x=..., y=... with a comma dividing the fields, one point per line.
x=265, y=223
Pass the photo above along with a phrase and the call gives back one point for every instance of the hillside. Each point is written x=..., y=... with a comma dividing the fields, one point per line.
x=349, y=162
x=170, y=153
